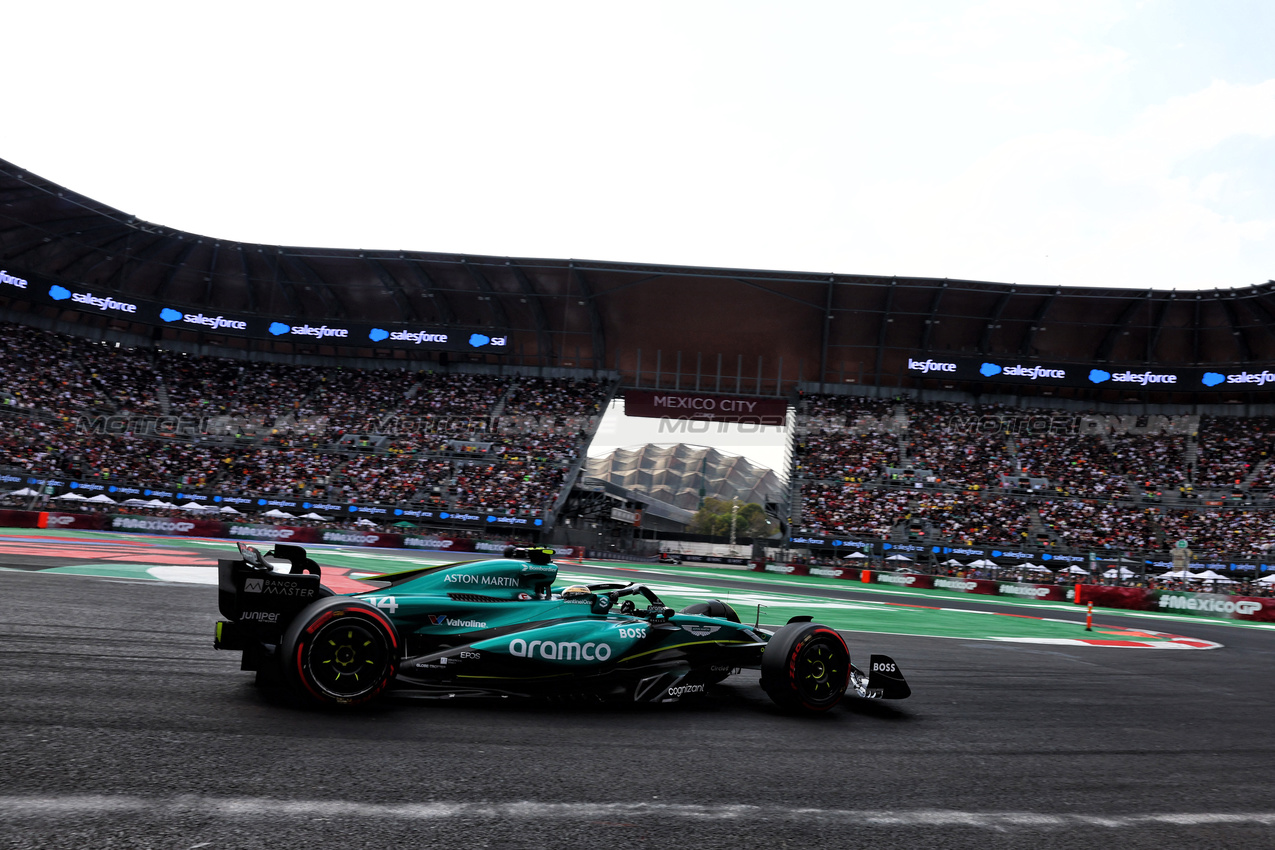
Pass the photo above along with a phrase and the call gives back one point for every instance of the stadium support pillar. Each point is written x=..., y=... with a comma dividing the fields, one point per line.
x=659, y=354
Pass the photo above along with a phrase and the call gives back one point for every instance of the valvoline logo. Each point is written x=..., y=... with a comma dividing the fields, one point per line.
x=989, y=369
x=1097, y=376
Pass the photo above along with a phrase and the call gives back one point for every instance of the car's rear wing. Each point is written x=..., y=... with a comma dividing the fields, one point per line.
x=250, y=591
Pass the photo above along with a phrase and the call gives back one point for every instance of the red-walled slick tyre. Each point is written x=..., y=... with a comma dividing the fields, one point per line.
x=806, y=667
x=340, y=652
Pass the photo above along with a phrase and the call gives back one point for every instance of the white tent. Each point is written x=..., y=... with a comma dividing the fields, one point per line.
x=135, y=502
x=1124, y=572
x=1075, y=570
x=226, y=509
x=899, y=558
x=275, y=512
x=72, y=497
x=103, y=499
x=1211, y=577
x=981, y=562
x=951, y=562
x=1270, y=579
x=157, y=503
x=25, y=491
x=1033, y=568
x=313, y=515
x=364, y=522
x=854, y=555
x=1177, y=574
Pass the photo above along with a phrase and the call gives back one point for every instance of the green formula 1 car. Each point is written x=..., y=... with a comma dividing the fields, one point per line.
x=499, y=628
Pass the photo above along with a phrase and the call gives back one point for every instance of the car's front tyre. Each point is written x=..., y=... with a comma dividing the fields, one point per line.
x=806, y=667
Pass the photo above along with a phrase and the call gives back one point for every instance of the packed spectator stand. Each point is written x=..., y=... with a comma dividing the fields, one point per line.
x=957, y=473
x=445, y=439
x=448, y=439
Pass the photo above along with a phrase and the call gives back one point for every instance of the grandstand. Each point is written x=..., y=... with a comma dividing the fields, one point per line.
x=462, y=391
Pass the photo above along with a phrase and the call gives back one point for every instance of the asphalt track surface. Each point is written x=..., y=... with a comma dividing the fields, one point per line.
x=121, y=727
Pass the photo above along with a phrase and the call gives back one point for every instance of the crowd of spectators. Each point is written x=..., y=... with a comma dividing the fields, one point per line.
x=40, y=370
x=1099, y=526
x=964, y=468
x=385, y=435
x=850, y=508
x=972, y=516
x=846, y=438
x=1231, y=449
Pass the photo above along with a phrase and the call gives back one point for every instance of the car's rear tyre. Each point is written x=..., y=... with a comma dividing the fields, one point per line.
x=712, y=608
x=340, y=652
x=806, y=667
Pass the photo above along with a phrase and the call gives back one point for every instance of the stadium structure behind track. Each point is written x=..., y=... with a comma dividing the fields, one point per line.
x=757, y=332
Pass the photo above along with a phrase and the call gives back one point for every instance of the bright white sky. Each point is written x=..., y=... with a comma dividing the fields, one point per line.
x=1097, y=142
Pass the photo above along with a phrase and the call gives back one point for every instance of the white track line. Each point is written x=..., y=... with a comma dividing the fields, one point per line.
x=80, y=806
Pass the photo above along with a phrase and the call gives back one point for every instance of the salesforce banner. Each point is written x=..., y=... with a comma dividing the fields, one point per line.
x=333, y=332
x=996, y=369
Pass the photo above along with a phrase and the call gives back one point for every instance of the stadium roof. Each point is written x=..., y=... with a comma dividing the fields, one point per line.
x=774, y=326
x=681, y=474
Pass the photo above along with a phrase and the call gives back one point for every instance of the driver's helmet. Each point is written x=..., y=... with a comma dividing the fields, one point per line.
x=575, y=591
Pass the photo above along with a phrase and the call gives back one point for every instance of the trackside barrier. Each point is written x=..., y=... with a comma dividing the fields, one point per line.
x=195, y=527
x=1127, y=598
x=86, y=522
x=834, y=572
x=783, y=569
x=19, y=519
x=915, y=580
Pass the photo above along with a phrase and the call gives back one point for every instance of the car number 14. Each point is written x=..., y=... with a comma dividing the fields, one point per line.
x=389, y=603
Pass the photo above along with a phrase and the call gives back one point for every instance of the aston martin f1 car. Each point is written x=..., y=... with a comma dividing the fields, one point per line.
x=499, y=627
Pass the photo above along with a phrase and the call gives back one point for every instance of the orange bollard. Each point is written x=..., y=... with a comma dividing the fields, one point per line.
x=1089, y=619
